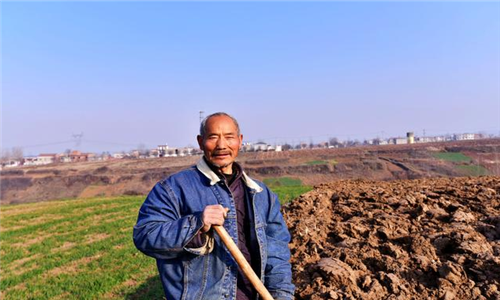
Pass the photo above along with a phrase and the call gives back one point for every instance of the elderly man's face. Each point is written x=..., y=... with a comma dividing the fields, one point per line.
x=221, y=142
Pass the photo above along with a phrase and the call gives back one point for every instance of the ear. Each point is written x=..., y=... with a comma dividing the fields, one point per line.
x=241, y=140
x=200, y=142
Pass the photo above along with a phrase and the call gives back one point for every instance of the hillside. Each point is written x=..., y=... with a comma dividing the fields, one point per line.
x=136, y=177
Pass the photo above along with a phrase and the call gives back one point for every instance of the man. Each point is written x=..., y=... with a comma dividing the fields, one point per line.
x=174, y=224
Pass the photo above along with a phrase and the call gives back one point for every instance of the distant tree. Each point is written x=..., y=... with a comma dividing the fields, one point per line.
x=286, y=147
x=352, y=143
x=17, y=153
x=142, y=149
x=334, y=142
x=5, y=155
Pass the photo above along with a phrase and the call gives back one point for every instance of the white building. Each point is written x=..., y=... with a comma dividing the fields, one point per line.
x=118, y=155
x=400, y=141
x=11, y=163
x=465, y=137
x=260, y=146
x=45, y=159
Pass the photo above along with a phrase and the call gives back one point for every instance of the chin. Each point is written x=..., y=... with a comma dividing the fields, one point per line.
x=221, y=164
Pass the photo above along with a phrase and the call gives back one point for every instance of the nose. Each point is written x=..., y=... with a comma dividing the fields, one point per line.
x=221, y=143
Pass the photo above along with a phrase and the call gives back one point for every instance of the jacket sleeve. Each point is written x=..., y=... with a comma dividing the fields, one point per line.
x=278, y=271
x=161, y=231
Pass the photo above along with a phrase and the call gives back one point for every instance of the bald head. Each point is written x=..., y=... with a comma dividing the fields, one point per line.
x=203, y=125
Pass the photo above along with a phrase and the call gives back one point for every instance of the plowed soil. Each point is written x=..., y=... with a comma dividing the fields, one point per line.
x=412, y=239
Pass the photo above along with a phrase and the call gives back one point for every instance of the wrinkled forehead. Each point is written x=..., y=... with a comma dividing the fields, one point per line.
x=221, y=124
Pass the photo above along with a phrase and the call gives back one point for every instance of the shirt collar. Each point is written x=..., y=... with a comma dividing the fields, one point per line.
x=204, y=168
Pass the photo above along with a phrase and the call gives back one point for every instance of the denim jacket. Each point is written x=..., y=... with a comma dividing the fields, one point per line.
x=171, y=216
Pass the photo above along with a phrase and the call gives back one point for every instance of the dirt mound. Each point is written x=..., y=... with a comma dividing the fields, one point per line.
x=418, y=239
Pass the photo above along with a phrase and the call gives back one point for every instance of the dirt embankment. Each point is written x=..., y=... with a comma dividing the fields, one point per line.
x=418, y=239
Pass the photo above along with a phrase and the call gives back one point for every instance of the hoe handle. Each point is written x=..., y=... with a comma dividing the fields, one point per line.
x=242, y=262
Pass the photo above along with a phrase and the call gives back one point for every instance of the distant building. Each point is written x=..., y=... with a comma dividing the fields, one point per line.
x=118, y=155
x=410, y=137
x=465, y=137
x=77, y=156
x=30, y=161
x=162, y=150
x=11, y=163
x=260, y=146
x=247, y=147
x=45, y=159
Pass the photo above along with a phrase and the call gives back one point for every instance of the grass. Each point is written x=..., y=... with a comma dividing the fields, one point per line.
x=473, y=170
x=332, y=162
x=82, y=249
x=453, y=156
x=74, y=249
x=288, y=193
x=461, y=163
x=282, y=181
x=287, y=188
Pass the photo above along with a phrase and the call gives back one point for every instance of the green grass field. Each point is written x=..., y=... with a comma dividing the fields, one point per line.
x=452, y=156
x=287, y=188
x=332, y=162
x=473, y=170
x=282, y=181
x=80, y=249
x=74, y=249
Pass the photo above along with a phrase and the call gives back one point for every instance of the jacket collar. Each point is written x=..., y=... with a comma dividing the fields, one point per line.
x=203, y=167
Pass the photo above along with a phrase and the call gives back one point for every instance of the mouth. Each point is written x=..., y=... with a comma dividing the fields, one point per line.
x=221, y=155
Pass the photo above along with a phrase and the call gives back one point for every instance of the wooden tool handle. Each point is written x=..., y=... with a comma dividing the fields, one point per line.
x=242, y=262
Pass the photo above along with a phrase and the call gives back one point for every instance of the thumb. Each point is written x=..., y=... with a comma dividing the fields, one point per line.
x=226, y=210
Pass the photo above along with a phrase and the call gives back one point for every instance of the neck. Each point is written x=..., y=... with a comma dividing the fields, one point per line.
x=227, y=169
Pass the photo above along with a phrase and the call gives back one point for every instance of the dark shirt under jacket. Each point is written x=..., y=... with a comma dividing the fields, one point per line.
x=243, y=210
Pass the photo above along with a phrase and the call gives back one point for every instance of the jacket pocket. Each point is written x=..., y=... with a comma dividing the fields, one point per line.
x=195, y=281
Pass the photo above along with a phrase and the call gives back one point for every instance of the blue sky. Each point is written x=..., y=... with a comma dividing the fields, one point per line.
x=130, y=73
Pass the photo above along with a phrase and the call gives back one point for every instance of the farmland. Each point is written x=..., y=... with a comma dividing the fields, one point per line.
x=310, y=166
x=75, y=240
x=356, y=239
x=79, y=249
x=82, y=249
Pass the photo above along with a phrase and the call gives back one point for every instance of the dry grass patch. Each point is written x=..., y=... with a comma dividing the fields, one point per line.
x=5, y=229
x=29, y=242
x=73, y=266
x=34, y=221
x=64, y=295
x=92, y=238
x=63, y=247
x=22, y=209
x=100, y=207
x=19, y=287
x=118, y=247
x=21, y=271
x=16, y=264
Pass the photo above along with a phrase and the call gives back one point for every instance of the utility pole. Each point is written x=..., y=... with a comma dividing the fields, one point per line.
x=201, y=116
x=78, y=138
